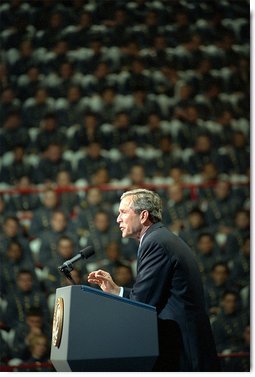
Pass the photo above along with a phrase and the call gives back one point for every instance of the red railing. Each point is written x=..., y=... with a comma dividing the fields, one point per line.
x=36, y=367
x=193, y=187
x=42, y=367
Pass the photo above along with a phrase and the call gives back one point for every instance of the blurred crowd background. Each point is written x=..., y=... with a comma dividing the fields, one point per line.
x=102, y=96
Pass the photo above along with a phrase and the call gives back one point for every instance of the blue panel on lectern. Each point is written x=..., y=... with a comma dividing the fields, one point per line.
x=104, y=332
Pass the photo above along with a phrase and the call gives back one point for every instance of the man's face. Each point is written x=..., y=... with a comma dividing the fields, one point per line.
x=220, y=275
x=229, y=304
x=58, y=222
x=129, y=221
x=34, y=321
x=11, y=228
x=65, y=249
x=25, y=282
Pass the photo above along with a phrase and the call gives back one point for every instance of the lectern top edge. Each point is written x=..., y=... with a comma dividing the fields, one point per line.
x=114, y=297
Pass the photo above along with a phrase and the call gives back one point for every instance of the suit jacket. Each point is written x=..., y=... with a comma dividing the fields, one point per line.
x=169, y=279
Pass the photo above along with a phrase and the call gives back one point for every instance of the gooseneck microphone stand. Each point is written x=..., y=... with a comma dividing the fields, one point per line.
x=66, y=270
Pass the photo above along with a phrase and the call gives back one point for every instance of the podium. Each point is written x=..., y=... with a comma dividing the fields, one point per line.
x=95, y=331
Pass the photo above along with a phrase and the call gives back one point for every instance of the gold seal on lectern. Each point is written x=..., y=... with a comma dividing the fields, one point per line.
x=58, y=319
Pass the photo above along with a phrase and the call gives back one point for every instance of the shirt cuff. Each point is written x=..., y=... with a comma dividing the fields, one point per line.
x=121, y=292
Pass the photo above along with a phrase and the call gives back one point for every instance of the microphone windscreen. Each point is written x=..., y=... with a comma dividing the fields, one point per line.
x=87, y=252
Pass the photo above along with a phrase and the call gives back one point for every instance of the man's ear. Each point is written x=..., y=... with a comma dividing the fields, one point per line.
x=144, y=216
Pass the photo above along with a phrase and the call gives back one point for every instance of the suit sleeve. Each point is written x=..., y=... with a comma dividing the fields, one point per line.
x=154, y=275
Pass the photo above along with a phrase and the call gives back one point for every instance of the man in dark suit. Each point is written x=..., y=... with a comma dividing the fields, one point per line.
x=167, y=278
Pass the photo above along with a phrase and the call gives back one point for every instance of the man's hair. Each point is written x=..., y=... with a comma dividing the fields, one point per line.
x=222, y=264
x=230, y=292
x=34, y=311
x=143, y=199
x=24, y=271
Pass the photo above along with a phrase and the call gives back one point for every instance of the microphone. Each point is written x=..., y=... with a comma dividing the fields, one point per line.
x=83, y=254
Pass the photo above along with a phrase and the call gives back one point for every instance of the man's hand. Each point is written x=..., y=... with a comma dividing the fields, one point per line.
x=104, y=280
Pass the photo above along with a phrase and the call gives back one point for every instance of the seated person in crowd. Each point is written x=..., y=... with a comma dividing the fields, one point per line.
x=48, y=133
x=68, y=198
x=241, y=230
x=113, y=257
x=61, y=225
x=218, y=282
x=240, y=266
x=229, y=323
x=24, y=204
x=101, y=232
x=51, y=163
x=65, y=250
x=222, y=207
x=24, y=296
x=39, y=347
x=207, y=253
x=12, y=261
x=13, y=231
x=34, y=324
x=18, y=168
x=195, y=225
x=123, y=275
x=177, y=207
x=40, y=222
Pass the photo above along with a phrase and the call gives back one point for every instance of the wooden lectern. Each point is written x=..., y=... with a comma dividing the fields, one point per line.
x=99, y=332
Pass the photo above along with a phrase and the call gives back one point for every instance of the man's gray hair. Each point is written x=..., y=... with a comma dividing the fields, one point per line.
x=143, y=199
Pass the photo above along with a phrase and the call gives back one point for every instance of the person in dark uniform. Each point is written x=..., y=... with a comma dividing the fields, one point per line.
x=22, y=298
x=196, y=225
x=19, y=167
x=34, y=324
x=65, y=250
x=42, y=215
x=12, y=261
x=222, y=208
x=51, y=163
x=230, y=323
x=207, y=253
x=61, y=225
x=177, y=207
x=241, y=230
x=169, y=279
x=217, y=283
x=13, y=231
x=241, y=264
